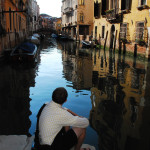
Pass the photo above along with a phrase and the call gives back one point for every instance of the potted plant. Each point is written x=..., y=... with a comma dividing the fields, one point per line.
x=109, y=11
x=141, y=42
x=123, y=40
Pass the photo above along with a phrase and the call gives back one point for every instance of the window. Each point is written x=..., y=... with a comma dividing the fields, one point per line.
x=19, y=23
x=103, y=7
x=81, y=17
x=112, y=4
x=16, y=22
x=103, y=31
x=139, y=30
x=81, y=2
x=123, y=31
x=97, y=10
x=13, y=21
x=142, y=2
x=126, y=4
x=10, y=23
x=83, y=30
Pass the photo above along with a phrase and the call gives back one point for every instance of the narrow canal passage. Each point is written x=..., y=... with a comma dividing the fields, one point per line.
x=111, y=90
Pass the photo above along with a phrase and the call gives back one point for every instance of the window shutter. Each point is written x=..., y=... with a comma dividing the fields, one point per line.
x=127, y=4
x=123, y=31
x=139, y=3
x=139, y=30
x=130, y=4
x=143, y=2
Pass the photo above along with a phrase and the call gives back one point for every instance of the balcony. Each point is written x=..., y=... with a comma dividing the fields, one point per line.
x=113, y=15
x=141, y=7
x=68, y=10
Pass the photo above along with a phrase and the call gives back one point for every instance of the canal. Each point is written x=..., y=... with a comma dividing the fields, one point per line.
x=111, y=89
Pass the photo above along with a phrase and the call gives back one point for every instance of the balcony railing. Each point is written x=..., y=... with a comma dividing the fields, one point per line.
x=68, y=10
x=112, y=15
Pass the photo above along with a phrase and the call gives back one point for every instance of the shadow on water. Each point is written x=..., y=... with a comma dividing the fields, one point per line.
x=112, y=90
x=16, y=78
x=14, y=99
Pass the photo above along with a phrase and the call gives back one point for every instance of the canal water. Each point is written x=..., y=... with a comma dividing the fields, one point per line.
x=112, y=90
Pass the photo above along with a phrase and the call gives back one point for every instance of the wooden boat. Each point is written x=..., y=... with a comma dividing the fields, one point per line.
x=34, y=40
x=62, y=37
x=54, y=35
x=24, y=52
x=87, y=44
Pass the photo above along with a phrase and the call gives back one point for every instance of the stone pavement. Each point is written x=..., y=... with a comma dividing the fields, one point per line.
x=16, y=142
x=22, y=142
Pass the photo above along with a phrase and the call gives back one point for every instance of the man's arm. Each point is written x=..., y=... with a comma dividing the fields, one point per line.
x=76, y=121
x=74, y=114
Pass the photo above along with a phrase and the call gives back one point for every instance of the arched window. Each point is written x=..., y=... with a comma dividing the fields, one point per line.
x=81, y=2
x=81, y=17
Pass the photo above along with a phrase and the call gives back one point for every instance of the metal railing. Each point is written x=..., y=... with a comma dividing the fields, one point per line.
x=68, y=10
x=112, y=14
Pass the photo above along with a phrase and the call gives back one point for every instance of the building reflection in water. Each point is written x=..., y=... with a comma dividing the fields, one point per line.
x=77, y=66
x=15, y=83
x=119, y=94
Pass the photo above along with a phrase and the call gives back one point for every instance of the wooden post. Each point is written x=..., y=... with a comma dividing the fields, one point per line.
x=115, y=40
x=135, y=50
x=120, y=45
x=105, y=40
x=124, y=48
x=100, y=40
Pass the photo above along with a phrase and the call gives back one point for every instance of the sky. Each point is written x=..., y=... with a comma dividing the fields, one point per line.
x=50, y=7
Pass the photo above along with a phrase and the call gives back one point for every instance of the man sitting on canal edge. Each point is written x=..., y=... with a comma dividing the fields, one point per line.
x=54, y=124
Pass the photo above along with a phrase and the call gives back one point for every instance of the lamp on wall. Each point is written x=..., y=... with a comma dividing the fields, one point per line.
x=132, y=22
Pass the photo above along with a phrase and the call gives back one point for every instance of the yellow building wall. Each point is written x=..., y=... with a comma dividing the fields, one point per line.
x=134, y=16
x=103, y=22
x=14, y=17
x=88, y=11
x=58, y=25
x=131, y=18
x=98, y=95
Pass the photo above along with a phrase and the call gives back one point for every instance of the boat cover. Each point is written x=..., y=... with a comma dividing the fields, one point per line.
x=27, y=46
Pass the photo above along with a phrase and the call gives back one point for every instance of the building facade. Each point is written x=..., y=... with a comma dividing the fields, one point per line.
x=35, y=14
x=13, y=22
x=17, y=21
x=77, y=18
x=58, y=25
x=123, y=24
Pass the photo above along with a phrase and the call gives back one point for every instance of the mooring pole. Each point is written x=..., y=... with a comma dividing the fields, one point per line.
x=105, y=40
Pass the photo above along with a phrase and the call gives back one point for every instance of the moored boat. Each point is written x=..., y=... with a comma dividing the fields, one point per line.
x=34, y=40
x=87, y=44
x=54, y=35
x=62, y=37
x=24, y=52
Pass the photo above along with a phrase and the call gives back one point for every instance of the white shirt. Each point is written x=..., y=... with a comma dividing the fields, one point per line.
x=53, y=118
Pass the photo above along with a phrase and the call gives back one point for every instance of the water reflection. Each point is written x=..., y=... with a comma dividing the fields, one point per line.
x=77, y=66
x=15, y=81
x=119, y=94
x=113, y=91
